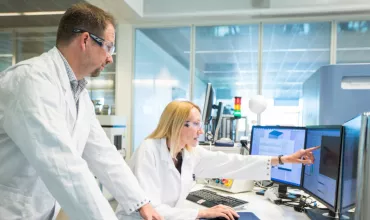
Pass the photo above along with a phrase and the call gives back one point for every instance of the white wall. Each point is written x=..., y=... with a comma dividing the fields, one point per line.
x=159, y=78
x=156, y=73
x=136, y=5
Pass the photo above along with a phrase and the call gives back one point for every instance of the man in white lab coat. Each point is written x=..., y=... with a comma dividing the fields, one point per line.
x=50, y=139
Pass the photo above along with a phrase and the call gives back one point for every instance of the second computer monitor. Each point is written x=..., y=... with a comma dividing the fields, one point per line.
x=280, y=140
x=321, y=179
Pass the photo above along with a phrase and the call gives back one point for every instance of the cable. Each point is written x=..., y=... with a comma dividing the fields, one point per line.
x=304, y=203
x=260, y=184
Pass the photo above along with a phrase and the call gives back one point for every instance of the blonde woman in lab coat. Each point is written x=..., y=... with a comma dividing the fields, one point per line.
x=165, y=162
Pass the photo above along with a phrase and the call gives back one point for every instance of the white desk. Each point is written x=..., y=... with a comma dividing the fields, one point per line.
x=263, y=208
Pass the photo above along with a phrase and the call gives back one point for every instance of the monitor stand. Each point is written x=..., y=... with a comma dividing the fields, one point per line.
x=320, y=214
x=282, y=191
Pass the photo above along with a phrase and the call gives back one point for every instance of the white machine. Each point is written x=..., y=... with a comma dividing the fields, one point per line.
x=235, y=150
x=115, y=128
x=229, y=185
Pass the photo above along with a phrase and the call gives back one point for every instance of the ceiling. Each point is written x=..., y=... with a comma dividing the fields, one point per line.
x=227, y=56
x=32, y=6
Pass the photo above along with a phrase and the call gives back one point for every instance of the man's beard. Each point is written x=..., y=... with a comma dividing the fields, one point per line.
x=96, y=73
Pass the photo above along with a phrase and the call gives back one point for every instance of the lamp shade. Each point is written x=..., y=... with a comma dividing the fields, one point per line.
x=257, y=104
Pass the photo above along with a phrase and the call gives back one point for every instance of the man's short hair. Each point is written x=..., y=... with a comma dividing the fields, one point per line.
x=83, y=16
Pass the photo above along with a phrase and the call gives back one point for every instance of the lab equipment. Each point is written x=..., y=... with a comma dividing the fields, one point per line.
x=326, y=102
x=237, y=106
x=115, y=129
x=231, y=185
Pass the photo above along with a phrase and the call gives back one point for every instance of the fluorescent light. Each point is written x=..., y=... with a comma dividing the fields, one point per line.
x=6, y=55
x=32, y=13
x=10, y=14
x=355, y=82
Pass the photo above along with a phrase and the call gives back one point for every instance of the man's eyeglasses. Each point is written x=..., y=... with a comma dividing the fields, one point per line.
x=197, y=125
x=106, y=45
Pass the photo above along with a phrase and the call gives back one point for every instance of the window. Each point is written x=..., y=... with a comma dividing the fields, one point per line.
x=226, y=56
x=6, y=50
x=291, y=54
x=353, y=42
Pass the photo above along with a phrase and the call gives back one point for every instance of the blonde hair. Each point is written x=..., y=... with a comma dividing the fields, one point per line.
x=171, y=122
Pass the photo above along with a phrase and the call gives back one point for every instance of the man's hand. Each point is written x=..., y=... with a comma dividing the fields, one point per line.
x=148, y=213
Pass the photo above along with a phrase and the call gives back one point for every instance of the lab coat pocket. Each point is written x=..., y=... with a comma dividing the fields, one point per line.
x=13, y=204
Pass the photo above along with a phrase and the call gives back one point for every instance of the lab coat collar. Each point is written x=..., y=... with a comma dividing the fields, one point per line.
x=64, y=81
x=166, y=157
x=60, y=67
x=165, y=153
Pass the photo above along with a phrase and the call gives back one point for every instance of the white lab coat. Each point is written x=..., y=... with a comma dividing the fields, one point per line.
x=47, y=150
x=167, y=189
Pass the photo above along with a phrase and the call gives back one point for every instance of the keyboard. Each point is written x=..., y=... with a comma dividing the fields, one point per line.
x=209, y=199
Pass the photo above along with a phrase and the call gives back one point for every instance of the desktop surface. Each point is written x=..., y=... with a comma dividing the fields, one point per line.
x=263, y=208
x=276, y=140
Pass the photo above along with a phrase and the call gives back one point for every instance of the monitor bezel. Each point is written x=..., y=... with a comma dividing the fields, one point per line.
x=363, y=128
x=336, y=200
x=290, y=184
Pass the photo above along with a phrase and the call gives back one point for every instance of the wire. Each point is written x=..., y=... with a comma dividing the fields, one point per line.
x=304, y=203
x=260, y=184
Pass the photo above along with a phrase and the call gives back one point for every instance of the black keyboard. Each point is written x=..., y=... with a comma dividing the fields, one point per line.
x=209, y=199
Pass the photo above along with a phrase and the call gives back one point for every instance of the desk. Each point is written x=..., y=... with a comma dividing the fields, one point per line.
x=259, y=205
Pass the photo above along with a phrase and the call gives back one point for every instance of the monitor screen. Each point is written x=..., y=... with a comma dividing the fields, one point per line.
x=277, y=140
x=351, y=140
x=321, y=178
x=208, y=102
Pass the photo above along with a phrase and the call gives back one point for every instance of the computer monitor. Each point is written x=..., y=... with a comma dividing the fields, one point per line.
x=321, y=179
x=280, y=140
x=207, y=115
x=354, y=130
x=218, y=119
x=208, y=104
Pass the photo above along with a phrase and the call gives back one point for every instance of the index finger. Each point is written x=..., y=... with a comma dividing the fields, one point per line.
x=312, y=149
